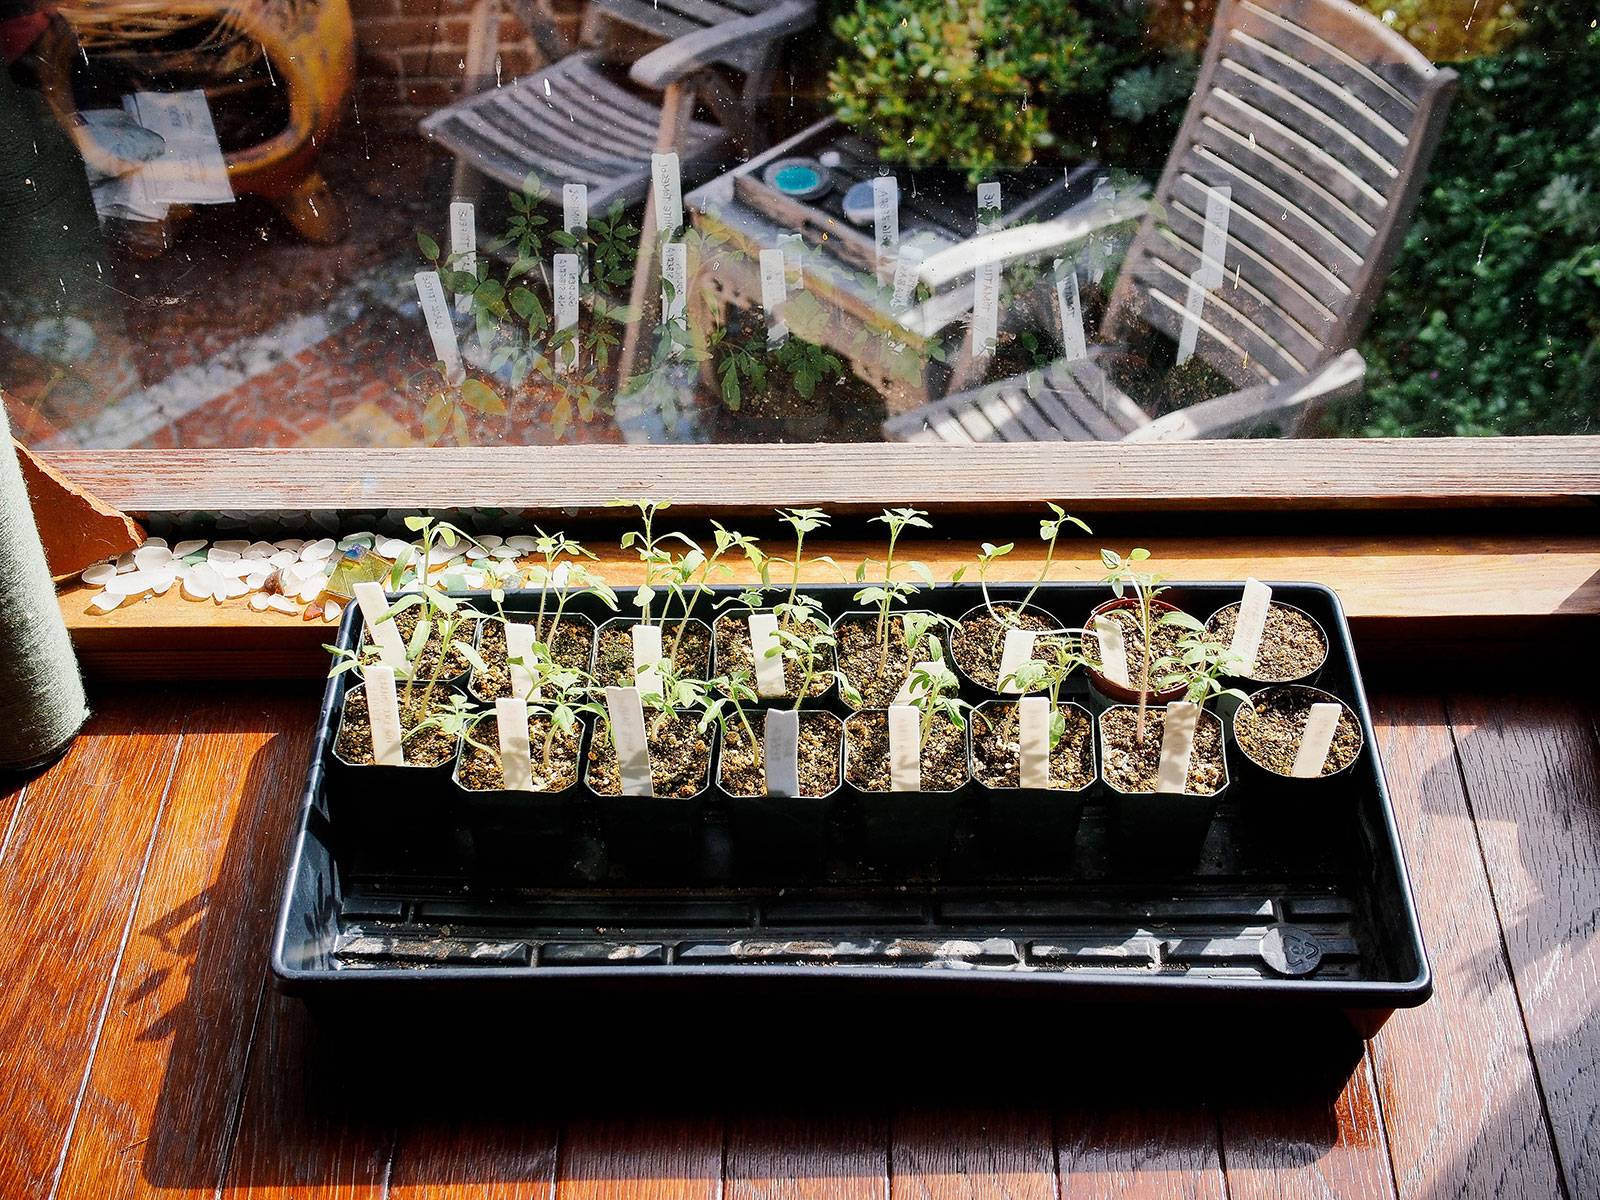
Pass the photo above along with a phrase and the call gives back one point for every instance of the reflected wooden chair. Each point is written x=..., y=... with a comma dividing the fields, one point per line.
x=595, y=116
x=1322, y=123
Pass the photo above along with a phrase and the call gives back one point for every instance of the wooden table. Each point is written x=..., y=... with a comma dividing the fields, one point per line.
x=143, y=1050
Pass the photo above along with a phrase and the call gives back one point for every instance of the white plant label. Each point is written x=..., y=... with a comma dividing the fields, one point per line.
x=885, y=218
x=1322, y=722
x=1189, y=333
x=1095, y=256
x=905, y=748
x=668, y=185
x=569, y=271
x=516, y=755
x=464, y=245
x=1070, y=307
x=519, y=645
x=437, y=314
x=1214, y=244
x=1033, y=719
x=906, y=265
x=774, y=291
x=780, y=751
x=988, y=208
x=1113, y=651
x=1177, y=744
x=574, y=207
x=985, y=309
x=674, y=278
x=793, y=244
x=1252, y=622
x=383, y=716
x=625, y=714
x=1014, y=651
x=646, y=658
x=769, y=666
x=385, y=635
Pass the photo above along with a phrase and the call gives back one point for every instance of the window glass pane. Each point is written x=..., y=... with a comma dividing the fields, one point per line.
x=371, y=223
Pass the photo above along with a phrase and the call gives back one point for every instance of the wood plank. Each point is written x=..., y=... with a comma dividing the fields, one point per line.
x=972, y=1154
x=801, y=1156
x=1156, y=1151
x=1332, y=1146
x=164, y=1090
x=1454, y=1077
x=492, y=1160
x=302, y=1127
x=1533, y=779
x=71, y=876
x=1314, y=474
x=639, y=1157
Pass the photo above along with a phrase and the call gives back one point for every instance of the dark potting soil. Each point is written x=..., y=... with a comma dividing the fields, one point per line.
x=614, y=662
x=573, y=642
x=1292, y=646
x=1269, y=730
x=741, y=774
x=1131, y=767
x=428, y=661
x=944, y=754
x=1164, y=641
x=680, y=756
x=735, y=654
x=426, y=749
x=480, y=765
x=862, y=661
x=978, y=640
x=997, y=749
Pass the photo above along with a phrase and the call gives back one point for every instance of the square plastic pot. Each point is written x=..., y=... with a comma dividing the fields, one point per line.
x=654, y=836
x=1033, y=824
x=510, y=830
x=1166, y=830
x=785, y=832
x=905, y=828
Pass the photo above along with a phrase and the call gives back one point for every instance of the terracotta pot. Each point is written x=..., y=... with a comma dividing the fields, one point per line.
x=1115, y=692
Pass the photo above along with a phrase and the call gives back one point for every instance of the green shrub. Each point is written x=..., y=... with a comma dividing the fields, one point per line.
x=1490, y=322
x=962, y=83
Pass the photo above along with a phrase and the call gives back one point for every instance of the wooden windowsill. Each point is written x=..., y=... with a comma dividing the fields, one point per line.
x=1411, y=594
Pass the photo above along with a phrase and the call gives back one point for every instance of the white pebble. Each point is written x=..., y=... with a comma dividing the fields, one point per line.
x=506, y=552
x=317, y=550
x=311, y=589
x=125, y=562
x=283, y=604
x=260, y=601
x=290, y=544
x=523, y=541
x=104, y=602
x=444, y=554
x=161, y=581
x=200, y=582
x=476, y=552
x=393, y=547
x=155, y=541
x=237, y=569
x=134, y=583
x=258, y=579
x=231, y=589
x=221, y=554
x=261, y=550
x=188, y=547
x=97, y=574
x=490, y=540
x=234, y=545
x=147, y=556
x=283, y=558
x=332, y=611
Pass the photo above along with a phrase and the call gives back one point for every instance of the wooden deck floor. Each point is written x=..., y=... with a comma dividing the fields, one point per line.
x=144, y=1052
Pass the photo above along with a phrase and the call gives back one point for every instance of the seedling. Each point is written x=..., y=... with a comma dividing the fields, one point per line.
x=885, y=594
x=647, y=546
x=686, y=575
x=730, y=692
x=1123, y=575
x=934, y=689
x=562, y=574
x=1049, y=675
x=809, y=651
x=1202, y=662
x=914, y=630
x=567, y=695
x=988, y=553
x=802, y=521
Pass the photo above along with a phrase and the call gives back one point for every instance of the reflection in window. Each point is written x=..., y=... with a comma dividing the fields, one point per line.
x=341, y=222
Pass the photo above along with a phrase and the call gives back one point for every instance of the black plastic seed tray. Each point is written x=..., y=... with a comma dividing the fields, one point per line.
x=1290, y=897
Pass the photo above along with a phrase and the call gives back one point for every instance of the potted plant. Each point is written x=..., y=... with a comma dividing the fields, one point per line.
x=797, y=615
x=446, y=628
x=876, y=656
x=1036, y=815
x=1271, y=728
x=1293, y=644
x=562, y=639
x=916, y=822
x=977, y=639
x=1140, y=752
x=782, y=825
x=1148, y=636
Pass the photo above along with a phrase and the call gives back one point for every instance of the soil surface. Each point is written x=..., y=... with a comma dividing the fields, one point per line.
x=1130, y=767
x=1292, y=646
x=574, y=642
x=426, y=749
x=735, y=654
x=944, y=754
x=1164, y=641
x=480, y=766
x=428, y=661
x=861, y=659
x=977, y=641
x=614, y=658
x=741, y=774
x=680, y=757
x=1269, y=730
x=997, y=750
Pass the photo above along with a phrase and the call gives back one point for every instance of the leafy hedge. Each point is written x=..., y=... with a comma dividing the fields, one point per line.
x=1490, y=322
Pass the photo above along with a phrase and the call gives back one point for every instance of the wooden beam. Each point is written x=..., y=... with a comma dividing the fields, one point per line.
x=1091, y=477
x=1456, y=588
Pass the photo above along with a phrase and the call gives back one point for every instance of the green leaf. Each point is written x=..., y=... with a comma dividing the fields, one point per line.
x=429, y=247
x=481, y=396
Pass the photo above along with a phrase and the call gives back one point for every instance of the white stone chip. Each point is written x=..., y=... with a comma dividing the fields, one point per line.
x=125, y=562
x=260, y=601
x=332, y=611
x=233, y=545
x=392, y=548
x=290, y=544
x=104, y=602
x=155, y=541
x=98, y=574
x=161, y=580
x=200, y=582
x=505, y=552
x=147, y=557
x=260, y=550
x=189, y=546
x=134, y=583
x=317, y=550
x=490, y=540
x=221, y=554
x=283, y=558
x=283, y=604
x=522, y=541
x=476, y=552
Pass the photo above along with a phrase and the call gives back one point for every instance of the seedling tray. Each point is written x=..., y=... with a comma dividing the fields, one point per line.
x=1290, y=903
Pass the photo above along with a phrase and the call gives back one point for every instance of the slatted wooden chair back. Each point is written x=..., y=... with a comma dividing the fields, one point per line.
x=1322, y=122
x=666, y=20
